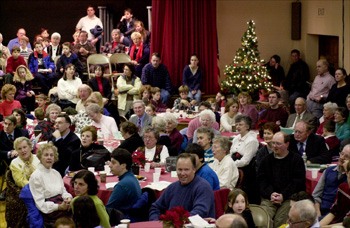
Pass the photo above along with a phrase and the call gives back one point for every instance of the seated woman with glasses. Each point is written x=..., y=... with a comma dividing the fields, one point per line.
x=154, y=153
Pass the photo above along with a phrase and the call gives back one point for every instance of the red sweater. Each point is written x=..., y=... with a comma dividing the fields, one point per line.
x=6, y=107
x=13, y=64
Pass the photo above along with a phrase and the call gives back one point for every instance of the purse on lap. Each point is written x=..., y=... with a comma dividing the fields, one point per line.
x=94, y=158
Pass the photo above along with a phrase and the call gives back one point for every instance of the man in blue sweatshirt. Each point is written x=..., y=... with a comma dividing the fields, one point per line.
x=191, y=192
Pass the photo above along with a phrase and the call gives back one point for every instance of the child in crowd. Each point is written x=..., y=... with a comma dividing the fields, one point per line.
x=46, y=42
x=12, y=63
x=156, y=101
x=39, y=114
x=64, y=222
x=184, y=102
x=220, y=101
x=41, y=100
x=145, y=93
x=24, y=94
x=68, y=57
x=212, y=103
x=75, y=37
x=151, y=110
x=237, y=203
x=126, y=26
x=331, y=139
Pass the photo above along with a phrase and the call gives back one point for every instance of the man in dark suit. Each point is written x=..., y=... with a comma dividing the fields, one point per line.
x=7, y=137
x=301, y=114
x=140, y=119
x=65, y=141
x=313, y=145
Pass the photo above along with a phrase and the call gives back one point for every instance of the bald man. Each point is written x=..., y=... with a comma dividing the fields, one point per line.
x=231, y=221
x=15, y=42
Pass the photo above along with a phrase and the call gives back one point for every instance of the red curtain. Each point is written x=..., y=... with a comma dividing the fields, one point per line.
x=184, y=27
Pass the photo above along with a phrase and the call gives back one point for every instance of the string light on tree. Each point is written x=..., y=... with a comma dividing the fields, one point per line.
x=246, y=72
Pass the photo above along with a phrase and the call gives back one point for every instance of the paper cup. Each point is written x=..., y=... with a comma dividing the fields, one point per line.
x=126, y=222
x=107, y=169
x=156, y=177
x=196, y=108
x=157, y=170
x=123, y=226
x=91, y=169
x=314, y=173
x=147, y=167
x=103, y=176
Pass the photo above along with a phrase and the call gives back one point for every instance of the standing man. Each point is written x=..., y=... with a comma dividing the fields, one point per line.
x=83, y=49
x=157, y=75
x=191, y=192
x=281, y=174
x=141, y=119
x=65, y=141
x=274, y=113
x=297, y=78
x=89, y=23
x=320, y=89
x=16, y=41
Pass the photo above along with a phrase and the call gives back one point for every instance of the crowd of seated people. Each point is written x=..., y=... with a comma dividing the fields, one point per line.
x=318, y=116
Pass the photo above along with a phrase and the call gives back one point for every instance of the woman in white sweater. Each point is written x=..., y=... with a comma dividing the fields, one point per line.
x=47, y=187
x=68, y=86
x=227, y=121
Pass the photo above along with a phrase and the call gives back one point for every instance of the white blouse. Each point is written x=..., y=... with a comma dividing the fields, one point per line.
x=227, y=172
x=45, y=183
x=226, y=122
x=149, y=154
x=246, y=146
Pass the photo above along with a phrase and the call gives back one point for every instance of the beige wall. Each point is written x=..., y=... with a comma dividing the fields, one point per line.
x=273, y=28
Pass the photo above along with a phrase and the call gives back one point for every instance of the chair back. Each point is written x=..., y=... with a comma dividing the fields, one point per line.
x=140, y=209
x=98, y=59
x=118, y=58
x=221, y=196
x=260, y=216
x=16, y=211
x=240, y=179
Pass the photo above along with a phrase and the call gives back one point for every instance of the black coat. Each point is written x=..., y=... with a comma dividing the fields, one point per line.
x=316, y=149
x=65, y=148
x=132, y=143
x=75, y=163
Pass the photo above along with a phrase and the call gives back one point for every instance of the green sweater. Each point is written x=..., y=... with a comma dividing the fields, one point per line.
x=101, y=210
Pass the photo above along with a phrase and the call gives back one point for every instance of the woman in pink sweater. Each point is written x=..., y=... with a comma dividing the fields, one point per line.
x=9, y=103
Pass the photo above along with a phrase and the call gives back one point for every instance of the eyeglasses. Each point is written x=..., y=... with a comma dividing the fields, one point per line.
x=293, y=223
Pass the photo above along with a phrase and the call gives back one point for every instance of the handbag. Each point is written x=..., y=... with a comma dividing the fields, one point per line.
x=94, y=158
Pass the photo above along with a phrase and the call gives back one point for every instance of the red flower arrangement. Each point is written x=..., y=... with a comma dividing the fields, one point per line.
x=139, y=158
x=261, y=123
x=175, y=217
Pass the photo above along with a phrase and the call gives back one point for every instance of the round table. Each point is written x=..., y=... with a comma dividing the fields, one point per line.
x=104, y=193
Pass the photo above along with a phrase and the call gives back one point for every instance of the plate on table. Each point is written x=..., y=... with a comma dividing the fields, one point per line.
x=140, y=178
x=191, y=116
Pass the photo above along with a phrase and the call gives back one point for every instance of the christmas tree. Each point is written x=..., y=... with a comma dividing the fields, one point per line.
x=246, y=73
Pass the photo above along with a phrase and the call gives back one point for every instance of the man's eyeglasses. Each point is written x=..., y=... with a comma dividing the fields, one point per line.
x=293, y=223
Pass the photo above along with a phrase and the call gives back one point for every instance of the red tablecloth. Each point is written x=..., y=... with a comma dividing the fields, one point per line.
x=104, y=194
x=151, y=224
x=310, y=182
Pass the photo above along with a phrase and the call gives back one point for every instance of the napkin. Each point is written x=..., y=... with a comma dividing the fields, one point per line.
x=197, y=221
x=159, y=186
x=111, y=185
